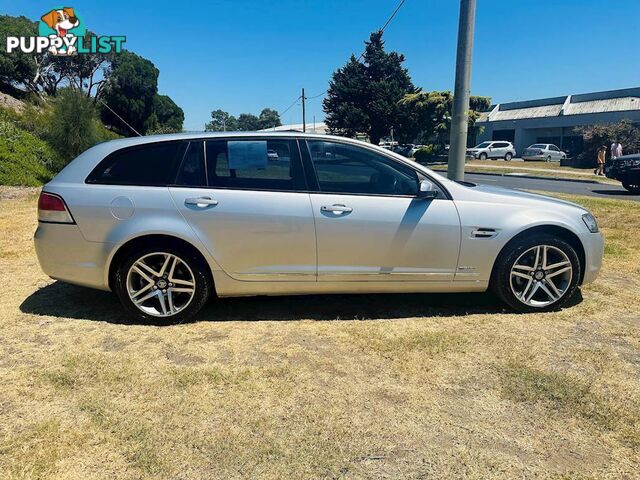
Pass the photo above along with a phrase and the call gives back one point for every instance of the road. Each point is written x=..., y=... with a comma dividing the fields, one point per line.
x=577, y=188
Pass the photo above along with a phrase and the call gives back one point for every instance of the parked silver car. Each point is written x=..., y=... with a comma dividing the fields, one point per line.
x=498, y=149
x=167, y=221
x=545, y=152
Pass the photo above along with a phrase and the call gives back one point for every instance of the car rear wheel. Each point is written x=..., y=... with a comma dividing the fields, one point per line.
x=162, y=285
x=508, y=157
x=632, y=187
x=548, y=158
x=536, y=274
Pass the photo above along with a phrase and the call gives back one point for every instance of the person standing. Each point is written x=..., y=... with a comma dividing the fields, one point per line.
x=616, y=149
x=602, y=155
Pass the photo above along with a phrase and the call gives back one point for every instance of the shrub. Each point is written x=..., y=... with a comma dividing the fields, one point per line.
x=24, y=158
x=425, y=154
x=72, y=128
x=595, y=136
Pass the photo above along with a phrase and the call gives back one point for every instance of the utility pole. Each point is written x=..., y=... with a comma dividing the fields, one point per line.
x=460, y=117
x=304, y=122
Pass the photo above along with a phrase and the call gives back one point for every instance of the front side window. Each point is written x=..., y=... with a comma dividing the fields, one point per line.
x=147, y=165
x=342, y=168
x=255, y=164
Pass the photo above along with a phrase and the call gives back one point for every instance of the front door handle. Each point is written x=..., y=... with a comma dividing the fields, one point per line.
x=336, y=208
x=201, y=202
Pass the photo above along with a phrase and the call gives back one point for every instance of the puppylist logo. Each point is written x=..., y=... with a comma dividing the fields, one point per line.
x=61, y=31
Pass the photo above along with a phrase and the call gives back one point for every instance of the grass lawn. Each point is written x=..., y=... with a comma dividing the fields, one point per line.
x=387, y=386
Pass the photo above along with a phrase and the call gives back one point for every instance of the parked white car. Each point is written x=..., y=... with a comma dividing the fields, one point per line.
x=546, y=152
x=496, y=149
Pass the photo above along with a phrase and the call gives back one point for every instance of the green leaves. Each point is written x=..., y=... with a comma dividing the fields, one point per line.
x=363, y=97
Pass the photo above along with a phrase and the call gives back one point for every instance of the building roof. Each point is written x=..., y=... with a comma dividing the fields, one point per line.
x=580, y=104
x=319, y=127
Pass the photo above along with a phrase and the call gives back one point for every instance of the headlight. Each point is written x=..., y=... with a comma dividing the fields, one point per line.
x=590, y=221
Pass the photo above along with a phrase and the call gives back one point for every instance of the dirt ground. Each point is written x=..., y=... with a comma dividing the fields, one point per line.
x=387, y=386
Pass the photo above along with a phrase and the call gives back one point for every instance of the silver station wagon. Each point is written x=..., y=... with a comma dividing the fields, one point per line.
x=168, y=221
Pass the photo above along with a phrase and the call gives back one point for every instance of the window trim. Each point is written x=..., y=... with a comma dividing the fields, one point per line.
x=419, y=173
x=177, y=161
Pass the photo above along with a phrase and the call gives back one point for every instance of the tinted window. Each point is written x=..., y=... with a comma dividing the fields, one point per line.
x=152, y=165
x=500, y=145
x=255, y=164
x=344, y=168
x=483, y=145
x=192, y=169
x=539, y=145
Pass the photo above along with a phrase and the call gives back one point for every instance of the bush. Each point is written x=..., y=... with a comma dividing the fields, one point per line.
x=425, y=154
x=595, y=136
x=24, y=158
x=72, y=128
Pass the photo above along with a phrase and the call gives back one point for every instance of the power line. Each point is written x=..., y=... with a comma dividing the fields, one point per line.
x=122, y=119
x=386, y=24
x=289, y=107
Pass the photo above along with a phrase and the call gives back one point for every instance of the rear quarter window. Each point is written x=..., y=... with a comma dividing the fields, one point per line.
x=146, y=165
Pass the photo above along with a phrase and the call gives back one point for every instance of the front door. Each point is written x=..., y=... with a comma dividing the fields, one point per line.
x=247, y=202
x=370, y=225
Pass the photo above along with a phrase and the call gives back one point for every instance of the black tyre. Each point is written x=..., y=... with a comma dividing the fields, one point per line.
x=632, y=187
x=538, y=273
x=483, y=156
x=548, y=158
x=162, y=285
x=508, y=157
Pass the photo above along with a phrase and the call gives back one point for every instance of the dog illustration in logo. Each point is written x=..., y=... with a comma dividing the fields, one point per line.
x=61, y=21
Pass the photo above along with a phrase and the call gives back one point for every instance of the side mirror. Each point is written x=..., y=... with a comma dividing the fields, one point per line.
x=427, y=190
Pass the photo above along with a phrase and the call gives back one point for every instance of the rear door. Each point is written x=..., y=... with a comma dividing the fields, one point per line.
x=247, y=201
x=498, y=150
x=370, y=225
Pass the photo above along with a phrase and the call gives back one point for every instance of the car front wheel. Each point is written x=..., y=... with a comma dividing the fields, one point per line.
x=535, y=274
x=162, y=285
x=483, y=156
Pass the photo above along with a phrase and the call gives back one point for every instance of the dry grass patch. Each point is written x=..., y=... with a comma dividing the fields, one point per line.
x=372, y=386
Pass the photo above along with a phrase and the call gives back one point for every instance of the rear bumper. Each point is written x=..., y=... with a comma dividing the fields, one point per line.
x=64, y=254
x=593, y=244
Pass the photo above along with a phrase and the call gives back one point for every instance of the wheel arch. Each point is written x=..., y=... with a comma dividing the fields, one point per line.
x=155, y=240
x=558, y=231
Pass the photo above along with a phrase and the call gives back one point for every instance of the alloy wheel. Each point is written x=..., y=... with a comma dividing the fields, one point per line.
x=160, y=284
x=541, y=276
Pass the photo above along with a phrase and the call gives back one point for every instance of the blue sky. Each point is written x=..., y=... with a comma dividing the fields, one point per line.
x=242, y=56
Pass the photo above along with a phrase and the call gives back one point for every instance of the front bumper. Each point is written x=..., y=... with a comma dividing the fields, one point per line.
x=65, y=255
x=593, y=244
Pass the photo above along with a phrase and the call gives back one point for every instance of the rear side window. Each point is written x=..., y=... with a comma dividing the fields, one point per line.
x=255, y=164
x=148, y=165
x=192, y=171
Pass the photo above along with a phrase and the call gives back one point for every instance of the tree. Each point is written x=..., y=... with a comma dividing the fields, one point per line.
x=364, y=97
x=269, y=118
x=595, y=136
x=17, y=69
x=167, y=117
x=426, y=116
x=130, y=91
x=84, y=72
x=248, y=122
x=221, y=121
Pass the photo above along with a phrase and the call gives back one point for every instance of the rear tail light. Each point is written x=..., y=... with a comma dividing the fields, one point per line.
x=52, y=209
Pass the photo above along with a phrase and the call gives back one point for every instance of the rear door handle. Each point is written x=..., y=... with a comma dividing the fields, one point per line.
x=336, y=208
x=201, y=202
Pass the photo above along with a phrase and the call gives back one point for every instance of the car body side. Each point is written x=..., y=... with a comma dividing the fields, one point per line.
x=110, y=217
